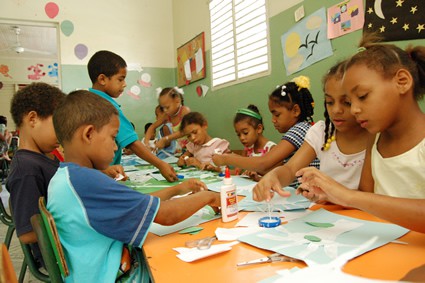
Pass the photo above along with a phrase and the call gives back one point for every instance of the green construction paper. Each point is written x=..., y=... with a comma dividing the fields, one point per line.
x=320, y=224
x=190, y=230
x=312, y=238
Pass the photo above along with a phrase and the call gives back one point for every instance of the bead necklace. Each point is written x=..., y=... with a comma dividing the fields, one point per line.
x=327, y=145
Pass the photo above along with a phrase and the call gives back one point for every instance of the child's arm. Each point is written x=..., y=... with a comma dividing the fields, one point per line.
x=409, y=213
x=173, y=211
x=150, y=133
x=143, y=152
x=190, y=185
x=163, y=142
x=182, y=158
x=260, y=164
x=283, y=175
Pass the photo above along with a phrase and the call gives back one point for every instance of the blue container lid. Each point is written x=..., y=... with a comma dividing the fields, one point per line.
x=269, y=222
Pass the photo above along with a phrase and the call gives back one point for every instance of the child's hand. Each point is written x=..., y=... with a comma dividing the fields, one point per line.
x=218, y=159
x=181, y=161
x=168, y=172
x=193, y=185
x=114, y=171
x=192, y=161
x=266, y=188
x=252, y=175
x=161, y=143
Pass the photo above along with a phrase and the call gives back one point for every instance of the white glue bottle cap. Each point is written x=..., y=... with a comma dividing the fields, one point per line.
x=227, y=179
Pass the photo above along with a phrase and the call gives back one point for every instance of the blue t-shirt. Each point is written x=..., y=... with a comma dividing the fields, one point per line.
x=94, y=216
x=126, y=133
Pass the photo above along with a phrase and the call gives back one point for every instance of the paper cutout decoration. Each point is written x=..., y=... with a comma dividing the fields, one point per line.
x=191, y=230
x=395, y=20
x=51, y=9
x=145, y=80
x=345, y=17
x=53, y=70
x=306, y=43
x=4, y=70
x=202, y=90
x=134, y=92
x=37, y=72
x=81, y=51
x=67, y=27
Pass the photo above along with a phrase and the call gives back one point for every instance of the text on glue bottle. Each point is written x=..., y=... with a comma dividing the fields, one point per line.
x=229, y=200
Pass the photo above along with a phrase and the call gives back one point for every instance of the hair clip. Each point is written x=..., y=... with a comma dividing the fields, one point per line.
x=361, y=49
x=302, y=82
x=282, y=91
x=179, y=90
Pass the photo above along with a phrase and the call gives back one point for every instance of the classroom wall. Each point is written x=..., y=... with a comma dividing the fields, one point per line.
x=141, y=31
x=220, y=105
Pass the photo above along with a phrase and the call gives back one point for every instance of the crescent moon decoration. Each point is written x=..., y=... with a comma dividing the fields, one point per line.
x=378, y=9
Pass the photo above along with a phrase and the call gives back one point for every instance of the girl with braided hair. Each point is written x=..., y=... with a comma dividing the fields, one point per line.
x=291, y=106
x=339, y=143
x=384, y=84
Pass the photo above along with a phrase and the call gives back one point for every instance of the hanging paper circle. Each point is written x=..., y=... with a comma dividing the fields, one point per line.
x=67, y=27
x=52, y=9
x=135, y=90
x=81, y=51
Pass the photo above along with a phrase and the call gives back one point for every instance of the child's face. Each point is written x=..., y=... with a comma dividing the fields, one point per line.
x=246, y=133
x=196, y=134
x=44, y=135
x=338, y=106
x=282, y=118
x=169, y=105
x=103, y=144
x=115, y=85
x=374, y=100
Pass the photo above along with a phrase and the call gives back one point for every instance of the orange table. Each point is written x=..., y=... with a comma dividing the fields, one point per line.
x=391, y=261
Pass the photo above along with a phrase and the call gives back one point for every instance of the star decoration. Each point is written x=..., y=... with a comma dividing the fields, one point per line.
x=399, y=3
x=420, y=27
x=405, y=27
x=414, y=9
x=370, y=10
x=382, y=29
x=393, y=21
x=369, y=25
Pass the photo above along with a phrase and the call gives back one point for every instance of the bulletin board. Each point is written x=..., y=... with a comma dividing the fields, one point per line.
x=191, y=60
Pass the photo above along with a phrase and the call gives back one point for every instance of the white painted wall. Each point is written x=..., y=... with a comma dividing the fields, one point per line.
x=141, y=31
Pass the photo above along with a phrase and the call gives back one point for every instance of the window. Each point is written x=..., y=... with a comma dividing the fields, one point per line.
x=239, y=40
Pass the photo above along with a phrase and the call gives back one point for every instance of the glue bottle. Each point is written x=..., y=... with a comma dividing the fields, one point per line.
x=229, y=200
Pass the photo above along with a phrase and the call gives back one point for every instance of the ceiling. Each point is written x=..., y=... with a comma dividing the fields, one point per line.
x=35, y=41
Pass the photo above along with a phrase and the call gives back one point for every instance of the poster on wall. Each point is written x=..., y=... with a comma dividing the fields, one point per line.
x=395, y=20
x=191, y=60
x=345, y=17
x=306, y=43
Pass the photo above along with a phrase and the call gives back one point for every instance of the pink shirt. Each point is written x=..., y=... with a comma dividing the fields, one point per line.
x=204, y=152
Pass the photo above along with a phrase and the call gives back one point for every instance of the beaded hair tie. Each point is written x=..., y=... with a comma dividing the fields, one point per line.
x=327, y=145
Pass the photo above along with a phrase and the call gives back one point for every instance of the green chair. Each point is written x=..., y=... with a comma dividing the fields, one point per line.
x=48, y=240
x=29, y=260
x=7, y=220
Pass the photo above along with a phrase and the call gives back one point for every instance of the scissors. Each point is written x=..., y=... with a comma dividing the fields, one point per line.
x=271, y=258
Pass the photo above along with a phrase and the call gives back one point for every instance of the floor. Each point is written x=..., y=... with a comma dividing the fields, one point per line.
x=14, y=249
